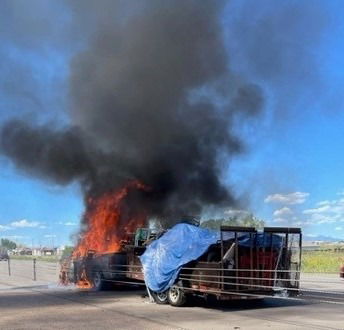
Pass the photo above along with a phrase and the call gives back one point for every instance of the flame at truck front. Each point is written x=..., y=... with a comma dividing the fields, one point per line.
x=108, y=220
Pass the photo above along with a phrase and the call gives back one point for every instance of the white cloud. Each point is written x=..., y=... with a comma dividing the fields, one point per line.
x=279, y=220
x=338, y=228
x=327, y=211
x=317, y=210
x=4, y=228
x=24, y=224
x=292, y=198
x=283, y=211
x=49, y=236
x=322, y=203
x=311, y=235
x=15, y=237
x=70, y=224
x=321, y=218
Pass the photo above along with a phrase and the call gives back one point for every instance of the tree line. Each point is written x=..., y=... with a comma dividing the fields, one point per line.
x=248, y=220
x=8, y=244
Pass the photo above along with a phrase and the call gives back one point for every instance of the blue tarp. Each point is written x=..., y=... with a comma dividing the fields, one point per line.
x=183, y=243
x=262, y=240
x=164, y=257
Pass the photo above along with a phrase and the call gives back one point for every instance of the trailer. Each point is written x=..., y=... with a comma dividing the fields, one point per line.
x=232, y=269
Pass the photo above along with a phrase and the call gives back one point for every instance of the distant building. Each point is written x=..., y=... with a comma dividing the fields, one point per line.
x=37, y=252
x=48, y=251
x=22, y=251
x=44, y=251
x=59, y=250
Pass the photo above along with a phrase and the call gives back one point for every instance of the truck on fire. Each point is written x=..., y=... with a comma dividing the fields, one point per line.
x=234, y=263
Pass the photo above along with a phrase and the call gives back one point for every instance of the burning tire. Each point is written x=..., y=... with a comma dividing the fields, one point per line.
x=159, y=297
x=98, y=282
x=176, y=296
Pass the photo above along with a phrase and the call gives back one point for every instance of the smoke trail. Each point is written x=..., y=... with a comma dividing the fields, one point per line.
x=151, y=98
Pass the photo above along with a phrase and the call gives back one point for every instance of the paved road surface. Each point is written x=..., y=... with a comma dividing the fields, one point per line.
x=27, y=304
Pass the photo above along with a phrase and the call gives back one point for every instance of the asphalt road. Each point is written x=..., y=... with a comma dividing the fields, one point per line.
x=42, y=304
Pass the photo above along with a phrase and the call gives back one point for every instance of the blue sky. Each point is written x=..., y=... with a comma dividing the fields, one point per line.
x=293, y=170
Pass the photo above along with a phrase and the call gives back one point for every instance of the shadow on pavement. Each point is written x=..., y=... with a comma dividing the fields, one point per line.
x=30, y=297
x=243, y=304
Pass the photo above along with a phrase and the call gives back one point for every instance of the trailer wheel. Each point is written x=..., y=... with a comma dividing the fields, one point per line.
x=159, y=297
x=98, y=283
x=176, y=296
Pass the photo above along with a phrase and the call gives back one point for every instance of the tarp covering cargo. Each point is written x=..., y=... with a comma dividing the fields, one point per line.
x=164, y=257
x=183, y=243
x=261, y=240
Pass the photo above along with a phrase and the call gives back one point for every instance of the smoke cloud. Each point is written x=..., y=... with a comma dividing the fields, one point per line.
x=151, y=97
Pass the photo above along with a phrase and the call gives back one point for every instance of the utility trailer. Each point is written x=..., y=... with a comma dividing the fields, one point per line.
x=244, y=264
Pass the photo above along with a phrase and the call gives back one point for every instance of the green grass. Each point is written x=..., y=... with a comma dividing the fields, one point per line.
x=38, y=258
x=322, y=261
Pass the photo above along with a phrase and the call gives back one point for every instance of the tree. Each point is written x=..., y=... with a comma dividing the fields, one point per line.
x=68, y=250
x=6, y=243
x=244, y=220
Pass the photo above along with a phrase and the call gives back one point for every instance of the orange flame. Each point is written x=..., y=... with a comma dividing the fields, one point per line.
x=84, y=283
x=108, y=221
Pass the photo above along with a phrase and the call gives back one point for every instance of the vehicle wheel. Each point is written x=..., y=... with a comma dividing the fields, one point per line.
x=159, y=297
x=98, y=283
x=176, y=296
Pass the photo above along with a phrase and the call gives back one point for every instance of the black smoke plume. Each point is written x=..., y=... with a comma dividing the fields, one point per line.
x=151, y=98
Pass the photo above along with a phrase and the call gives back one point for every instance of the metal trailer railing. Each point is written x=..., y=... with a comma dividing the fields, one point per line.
x=262, y=267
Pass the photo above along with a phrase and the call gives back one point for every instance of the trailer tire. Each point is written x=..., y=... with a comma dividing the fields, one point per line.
x=159, y=297
x=176, y=296
x=98, y=282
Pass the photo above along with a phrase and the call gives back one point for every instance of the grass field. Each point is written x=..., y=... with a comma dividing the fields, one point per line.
x=322, y=261
x=38, y=258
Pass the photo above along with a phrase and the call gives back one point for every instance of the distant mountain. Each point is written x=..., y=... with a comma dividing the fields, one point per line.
x=321, y=238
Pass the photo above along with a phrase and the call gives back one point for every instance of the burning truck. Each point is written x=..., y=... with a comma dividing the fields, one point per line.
x=109, y=223
x=233, y=263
